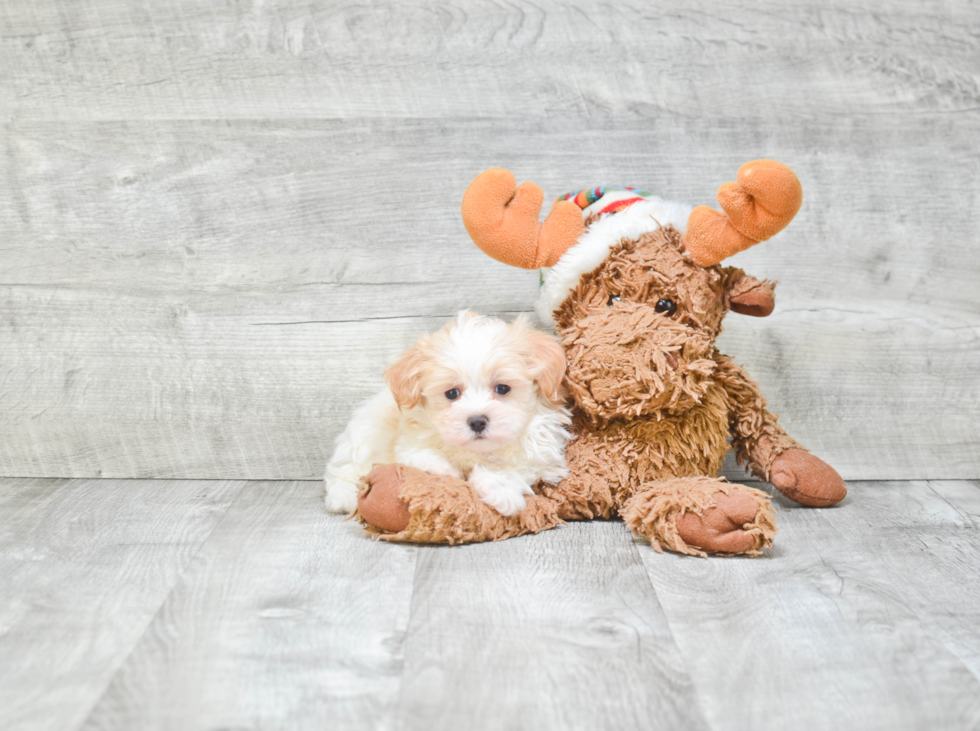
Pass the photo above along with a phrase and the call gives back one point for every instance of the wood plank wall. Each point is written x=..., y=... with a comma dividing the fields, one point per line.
x=219, y=220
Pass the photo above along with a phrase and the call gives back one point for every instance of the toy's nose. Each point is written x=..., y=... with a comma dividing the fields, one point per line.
x=478, y=423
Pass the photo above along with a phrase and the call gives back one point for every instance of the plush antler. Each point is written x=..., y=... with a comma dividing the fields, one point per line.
x=502, y=219
x=761, y=204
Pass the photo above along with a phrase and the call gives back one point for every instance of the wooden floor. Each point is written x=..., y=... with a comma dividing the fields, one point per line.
x=136, y=604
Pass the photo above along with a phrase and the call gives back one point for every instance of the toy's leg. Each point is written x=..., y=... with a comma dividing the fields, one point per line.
x=701, y=515
x=400, y=503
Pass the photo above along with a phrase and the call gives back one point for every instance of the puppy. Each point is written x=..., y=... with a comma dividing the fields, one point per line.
x=479, y=400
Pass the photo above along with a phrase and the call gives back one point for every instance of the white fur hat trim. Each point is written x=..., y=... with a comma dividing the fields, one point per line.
x=594, y=245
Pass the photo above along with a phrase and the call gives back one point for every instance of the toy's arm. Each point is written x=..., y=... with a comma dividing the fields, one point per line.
x=762, y=445
x=405, y=504
x=757, y=437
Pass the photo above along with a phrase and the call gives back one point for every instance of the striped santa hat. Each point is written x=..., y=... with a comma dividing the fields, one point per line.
x=613, y=213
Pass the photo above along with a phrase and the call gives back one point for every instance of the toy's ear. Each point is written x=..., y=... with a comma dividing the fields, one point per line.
x=404, y=378
x=747, y=295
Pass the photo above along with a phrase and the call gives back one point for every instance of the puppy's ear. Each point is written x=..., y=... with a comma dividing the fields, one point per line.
x=404, y=378
x=747, y=295
x=546, y=360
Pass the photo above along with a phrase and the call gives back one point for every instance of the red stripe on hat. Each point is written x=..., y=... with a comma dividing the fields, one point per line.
x=620, y=205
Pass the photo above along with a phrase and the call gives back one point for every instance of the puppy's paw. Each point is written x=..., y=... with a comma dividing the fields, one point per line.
x=503, y=491
x=429, y=462
x=341, y=497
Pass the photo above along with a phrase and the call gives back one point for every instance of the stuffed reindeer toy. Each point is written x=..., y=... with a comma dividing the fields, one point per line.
x=635, y=289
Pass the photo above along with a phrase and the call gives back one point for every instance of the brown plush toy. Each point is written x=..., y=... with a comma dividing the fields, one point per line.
x=635, y=290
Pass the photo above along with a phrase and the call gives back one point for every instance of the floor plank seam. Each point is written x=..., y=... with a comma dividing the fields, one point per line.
x=635, y=548
x=966, y=518
x=399, y=703
x=139, y=637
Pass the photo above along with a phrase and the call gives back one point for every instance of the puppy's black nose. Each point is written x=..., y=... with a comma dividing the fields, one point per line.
x=478, y=423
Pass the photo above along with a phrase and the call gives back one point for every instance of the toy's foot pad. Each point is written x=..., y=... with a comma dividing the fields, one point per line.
x=379, y=504
x=702, y=515
x=807, y=479
x=720, y=529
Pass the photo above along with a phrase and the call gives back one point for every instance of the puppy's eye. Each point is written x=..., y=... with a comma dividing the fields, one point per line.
x=614, y=298
x=452, y=394
x=502, y=389
x=666, y=306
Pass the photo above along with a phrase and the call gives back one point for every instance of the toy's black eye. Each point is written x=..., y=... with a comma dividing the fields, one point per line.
x=667, y=306
x=502, y=389
x=452, y=394
x=614, y=298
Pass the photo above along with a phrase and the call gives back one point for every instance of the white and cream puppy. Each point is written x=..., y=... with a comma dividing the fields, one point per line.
x=479, y=400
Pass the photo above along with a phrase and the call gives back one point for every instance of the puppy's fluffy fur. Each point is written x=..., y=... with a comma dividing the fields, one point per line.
x=480, y=400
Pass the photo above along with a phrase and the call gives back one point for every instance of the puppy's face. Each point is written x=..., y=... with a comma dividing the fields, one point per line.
x=479, y=380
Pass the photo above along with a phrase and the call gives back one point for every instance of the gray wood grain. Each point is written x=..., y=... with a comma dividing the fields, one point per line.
x=862, y=617
x=215, y=308
x=288, y=618
x=560, y=630
x=84, y=566
x=222, y=221
x=931, y=560
x=201, y=605
x=786, y=61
